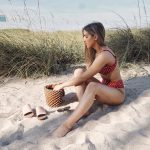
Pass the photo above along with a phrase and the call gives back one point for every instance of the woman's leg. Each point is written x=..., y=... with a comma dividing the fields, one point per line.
x=80, y=89
x=102, y=93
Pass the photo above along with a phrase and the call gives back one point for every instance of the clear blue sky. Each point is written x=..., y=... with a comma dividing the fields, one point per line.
x=73, y=15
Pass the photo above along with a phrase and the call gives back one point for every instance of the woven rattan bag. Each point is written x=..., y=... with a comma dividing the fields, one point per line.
x=53, y=98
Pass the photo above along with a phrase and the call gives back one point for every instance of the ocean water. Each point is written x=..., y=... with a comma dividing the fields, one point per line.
x=73, y=15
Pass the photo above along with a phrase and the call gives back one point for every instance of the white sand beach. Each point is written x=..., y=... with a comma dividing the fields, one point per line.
x=123, y=127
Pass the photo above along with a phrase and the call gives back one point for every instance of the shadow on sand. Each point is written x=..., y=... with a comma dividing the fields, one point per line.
x=134, y=87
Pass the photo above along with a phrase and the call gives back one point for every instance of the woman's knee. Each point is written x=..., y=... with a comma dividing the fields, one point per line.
x=78, y=72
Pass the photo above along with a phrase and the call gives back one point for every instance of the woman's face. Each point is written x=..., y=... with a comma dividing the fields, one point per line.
x=88, y=39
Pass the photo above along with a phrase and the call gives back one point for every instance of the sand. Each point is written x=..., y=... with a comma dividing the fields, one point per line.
x=124, y=127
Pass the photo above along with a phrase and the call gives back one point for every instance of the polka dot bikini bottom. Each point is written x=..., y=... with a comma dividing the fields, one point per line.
x=115, y=84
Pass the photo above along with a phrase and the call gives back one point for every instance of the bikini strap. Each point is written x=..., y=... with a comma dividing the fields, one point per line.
x=109, y=52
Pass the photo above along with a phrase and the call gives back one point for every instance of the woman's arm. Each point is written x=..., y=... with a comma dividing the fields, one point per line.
x=99, y=62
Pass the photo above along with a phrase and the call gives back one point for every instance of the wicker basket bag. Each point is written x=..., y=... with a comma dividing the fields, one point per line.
x=53, y=98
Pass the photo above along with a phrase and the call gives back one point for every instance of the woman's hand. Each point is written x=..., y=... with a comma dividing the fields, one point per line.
x=58, y=87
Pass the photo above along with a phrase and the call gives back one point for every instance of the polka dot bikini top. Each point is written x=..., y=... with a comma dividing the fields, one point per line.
x=107, y=68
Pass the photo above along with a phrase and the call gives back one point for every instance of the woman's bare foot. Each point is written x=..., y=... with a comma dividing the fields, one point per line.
x=61, y=131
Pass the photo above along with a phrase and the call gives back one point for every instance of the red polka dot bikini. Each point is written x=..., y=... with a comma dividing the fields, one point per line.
x=106, y=70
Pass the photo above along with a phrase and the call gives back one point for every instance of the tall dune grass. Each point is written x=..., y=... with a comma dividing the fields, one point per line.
x=131, y=45
x=25, y=53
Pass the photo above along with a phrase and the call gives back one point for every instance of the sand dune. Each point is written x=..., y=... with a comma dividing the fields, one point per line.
x=108, y=127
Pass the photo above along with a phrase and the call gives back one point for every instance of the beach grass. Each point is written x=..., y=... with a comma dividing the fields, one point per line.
x=26, y=53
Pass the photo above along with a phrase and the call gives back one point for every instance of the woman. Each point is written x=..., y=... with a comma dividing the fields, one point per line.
x=99, y=59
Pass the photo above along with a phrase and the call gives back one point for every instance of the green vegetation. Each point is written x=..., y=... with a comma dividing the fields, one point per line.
x=25, y=53
x=131, y=45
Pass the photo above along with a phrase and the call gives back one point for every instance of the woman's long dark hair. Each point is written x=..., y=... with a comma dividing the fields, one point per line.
x=95, y=28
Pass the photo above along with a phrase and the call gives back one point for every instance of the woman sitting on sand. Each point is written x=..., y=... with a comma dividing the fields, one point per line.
x=99, y=58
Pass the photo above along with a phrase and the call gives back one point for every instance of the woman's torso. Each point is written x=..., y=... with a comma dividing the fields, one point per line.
x=113, y=72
